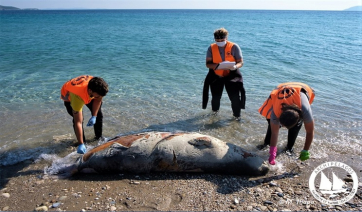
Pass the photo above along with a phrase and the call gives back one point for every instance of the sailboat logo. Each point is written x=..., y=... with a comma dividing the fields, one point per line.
x=334, y=188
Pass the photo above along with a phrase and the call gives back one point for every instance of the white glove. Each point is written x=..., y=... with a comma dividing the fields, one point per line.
x=234, y=68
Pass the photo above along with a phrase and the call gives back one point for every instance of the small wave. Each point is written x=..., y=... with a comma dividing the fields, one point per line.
x=60, y=165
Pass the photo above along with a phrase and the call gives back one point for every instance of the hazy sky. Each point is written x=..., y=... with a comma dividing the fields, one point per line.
x=185, y=4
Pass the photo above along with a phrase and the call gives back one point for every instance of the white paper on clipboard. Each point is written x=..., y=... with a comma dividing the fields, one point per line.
x=226, y=65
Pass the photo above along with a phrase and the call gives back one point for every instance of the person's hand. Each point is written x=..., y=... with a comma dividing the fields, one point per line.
x=81, y=149
x=233, y=68
x=92, y=121
x=304, y=155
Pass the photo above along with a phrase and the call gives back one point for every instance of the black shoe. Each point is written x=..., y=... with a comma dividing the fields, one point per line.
x=289, y=152
x=262, y=146
x=237, y=118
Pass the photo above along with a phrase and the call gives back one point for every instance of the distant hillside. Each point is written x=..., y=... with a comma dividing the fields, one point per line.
x=8, y=8
x=14, y=8
x=355, y=8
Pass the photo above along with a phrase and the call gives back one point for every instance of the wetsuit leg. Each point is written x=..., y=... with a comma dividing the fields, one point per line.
x=216, y=87
x=98, y=126
x=268, y=134
x=292, y=135
x=232, y=88
x=70, y=112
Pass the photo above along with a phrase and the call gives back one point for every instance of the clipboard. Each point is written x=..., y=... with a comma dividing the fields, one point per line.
x=226, y=65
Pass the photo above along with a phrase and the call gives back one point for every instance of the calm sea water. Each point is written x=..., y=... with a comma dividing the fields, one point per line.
x=154, y=62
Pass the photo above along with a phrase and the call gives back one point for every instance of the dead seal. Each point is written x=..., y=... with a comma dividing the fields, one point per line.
x=169, y=152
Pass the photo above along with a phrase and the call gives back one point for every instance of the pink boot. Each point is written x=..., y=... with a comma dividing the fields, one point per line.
x=273, y=154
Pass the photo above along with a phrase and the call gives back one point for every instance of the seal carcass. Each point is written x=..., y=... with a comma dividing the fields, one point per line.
x=171, y=152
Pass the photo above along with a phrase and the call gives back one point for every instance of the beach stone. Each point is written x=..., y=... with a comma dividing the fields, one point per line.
x=113, y=208
x=268, y=202
x=7, y=195
x=339, y=208
x=62, y=198
x=42, y=208
x=299, y=192
x=249, y=208
x=5, y=208
x=263, y=208
x=55, y=205
x=279, y=190
x=272, y=183
x=236, y=201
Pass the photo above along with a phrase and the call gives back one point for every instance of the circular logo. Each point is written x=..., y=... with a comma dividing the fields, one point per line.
x=332, y=190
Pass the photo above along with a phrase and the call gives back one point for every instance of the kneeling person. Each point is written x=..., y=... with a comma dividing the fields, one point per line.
x=84, y=90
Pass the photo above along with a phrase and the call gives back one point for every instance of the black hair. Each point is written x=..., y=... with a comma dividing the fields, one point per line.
x=291, y=115
x=98, y=85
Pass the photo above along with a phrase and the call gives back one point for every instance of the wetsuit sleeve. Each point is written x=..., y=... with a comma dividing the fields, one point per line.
x=76, y=102
x=236, y=52
x=306, y=109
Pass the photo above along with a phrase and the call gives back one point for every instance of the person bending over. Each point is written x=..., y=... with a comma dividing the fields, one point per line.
x=288, y=105
x=84, y=90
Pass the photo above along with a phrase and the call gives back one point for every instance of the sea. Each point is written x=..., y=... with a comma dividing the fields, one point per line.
x=154, y=63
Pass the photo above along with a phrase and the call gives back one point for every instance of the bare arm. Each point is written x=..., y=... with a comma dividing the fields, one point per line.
x=210, y=64
x=78, y=118
x=309, y=128
x=96, y=105
x=239, y=63
x=274, y=133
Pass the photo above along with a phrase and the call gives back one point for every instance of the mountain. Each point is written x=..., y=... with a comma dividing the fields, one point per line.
x=14, y=8
x=355, y=8
x=8, y=8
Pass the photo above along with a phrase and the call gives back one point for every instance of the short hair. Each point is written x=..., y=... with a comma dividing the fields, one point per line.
x=98, y=85
x=291, y=115
x=220, y=33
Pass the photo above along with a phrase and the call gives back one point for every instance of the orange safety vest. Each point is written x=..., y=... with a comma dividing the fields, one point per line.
x=288, y=93
x=77, y=86
x=216, y=57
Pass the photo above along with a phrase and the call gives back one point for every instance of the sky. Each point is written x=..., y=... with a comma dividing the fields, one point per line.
x=185, y=4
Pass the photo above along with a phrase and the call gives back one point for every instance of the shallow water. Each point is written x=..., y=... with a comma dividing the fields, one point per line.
x=154, y=62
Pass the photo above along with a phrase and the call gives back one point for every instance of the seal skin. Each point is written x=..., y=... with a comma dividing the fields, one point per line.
x=171, y=152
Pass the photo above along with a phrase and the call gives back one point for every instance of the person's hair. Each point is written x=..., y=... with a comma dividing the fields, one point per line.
x=290, y=116
x=220, y=33
x=98, y=85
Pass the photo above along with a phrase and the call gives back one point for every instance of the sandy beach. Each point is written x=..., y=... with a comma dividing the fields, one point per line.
x=25, y=187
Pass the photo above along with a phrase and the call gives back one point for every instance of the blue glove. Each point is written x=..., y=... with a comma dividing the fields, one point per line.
x=92, y=121
x=81, y=149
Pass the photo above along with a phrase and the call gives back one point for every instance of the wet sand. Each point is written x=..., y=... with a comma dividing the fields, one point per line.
x=24, y=187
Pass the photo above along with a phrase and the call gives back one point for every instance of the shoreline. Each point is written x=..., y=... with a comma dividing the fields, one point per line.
x=24, y=187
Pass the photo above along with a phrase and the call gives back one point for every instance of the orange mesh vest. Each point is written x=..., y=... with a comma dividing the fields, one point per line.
x=288, y=93
x=78, y=86
x=216, y=57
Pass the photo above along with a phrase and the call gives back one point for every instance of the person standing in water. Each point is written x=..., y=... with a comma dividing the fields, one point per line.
x=221, y=75
x=288, y=105
x=85, y=90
